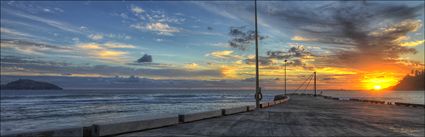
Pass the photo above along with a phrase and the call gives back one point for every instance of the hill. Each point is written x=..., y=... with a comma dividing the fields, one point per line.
x=414, y=81
x=26, y=84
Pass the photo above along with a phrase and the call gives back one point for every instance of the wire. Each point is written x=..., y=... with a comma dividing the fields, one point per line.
x=303, y=83
x=305, y=89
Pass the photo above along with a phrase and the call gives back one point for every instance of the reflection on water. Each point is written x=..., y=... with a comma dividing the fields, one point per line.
x=33, y=110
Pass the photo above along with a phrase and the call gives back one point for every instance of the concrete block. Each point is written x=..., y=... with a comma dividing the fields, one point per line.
x=251, y=108
x=285, y=100
x=125, y=127
x=354, y=99
x=271, y=103
x=199, y=116
x=68, y=132
x=230, y=111
x=264, y=105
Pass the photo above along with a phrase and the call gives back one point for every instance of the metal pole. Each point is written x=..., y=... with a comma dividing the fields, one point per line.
x=285, y=76
x=315, y=83
x=257, y=81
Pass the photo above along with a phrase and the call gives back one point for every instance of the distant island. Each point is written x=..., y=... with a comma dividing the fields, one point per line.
x=27, y=84
x=414, y=81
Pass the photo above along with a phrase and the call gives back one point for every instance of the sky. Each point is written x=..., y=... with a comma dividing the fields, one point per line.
x=351, y=45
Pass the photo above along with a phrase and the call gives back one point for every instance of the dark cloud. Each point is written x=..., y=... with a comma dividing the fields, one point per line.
x=261, y=61
x=151, y=64
x=252, y=79
x=293, y=55
x=328, y=78
x=145, y=58
x=242, y=38
x=373, y=30
x=209, y=28
x=293, y=52
x=28, y=60
x=36, y=46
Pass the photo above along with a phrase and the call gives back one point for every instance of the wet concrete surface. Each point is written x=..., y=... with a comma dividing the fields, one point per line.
x=307, y=116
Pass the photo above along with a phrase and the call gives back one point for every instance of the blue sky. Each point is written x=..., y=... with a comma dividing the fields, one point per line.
x=192, y=39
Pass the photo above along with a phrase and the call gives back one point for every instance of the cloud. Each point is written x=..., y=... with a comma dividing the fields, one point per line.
x=104, y=51
x=370, y=32
x=13, y=32
x=209, y=28
x=214, y=7
x=225, y=54
x=136, y=9
x=114, y=45
x=56, y=24
x=261, y=61
x=145, y=58
x=191, y=66
x=159, y=40
x=109, y=51
x=117, y=36
x=242, y=38
x=162, y=28
x=22, y=66
x=412, y=43
x=31, y=48
x=158, y=27
x=304, y=39
x=293, y=52
x=96, y=36
x=220, y=44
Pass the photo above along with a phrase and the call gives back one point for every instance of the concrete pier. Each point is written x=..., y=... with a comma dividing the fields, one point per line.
x=307, y=116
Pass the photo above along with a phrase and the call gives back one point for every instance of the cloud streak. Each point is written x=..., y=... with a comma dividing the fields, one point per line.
x=56, y=24
x=225, y=54
x=15, y=65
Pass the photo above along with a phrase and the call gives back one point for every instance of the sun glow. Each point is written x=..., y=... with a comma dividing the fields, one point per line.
x=379, y=81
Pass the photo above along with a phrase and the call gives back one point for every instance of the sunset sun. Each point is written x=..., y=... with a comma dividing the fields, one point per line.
x=377, y=87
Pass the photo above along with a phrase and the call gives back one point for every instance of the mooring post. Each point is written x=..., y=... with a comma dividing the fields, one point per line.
x=315, y=84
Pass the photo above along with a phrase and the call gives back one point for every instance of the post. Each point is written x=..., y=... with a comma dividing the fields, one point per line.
x=315, y=84
x=257, y=81
x=285, y=76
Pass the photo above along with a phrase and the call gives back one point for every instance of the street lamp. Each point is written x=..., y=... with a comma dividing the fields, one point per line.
x=285, y=75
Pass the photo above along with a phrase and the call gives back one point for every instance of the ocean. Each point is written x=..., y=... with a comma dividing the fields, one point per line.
x=24, y=111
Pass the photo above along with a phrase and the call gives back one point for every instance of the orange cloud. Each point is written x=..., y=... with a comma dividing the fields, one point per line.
x=412, y=43
x=106, y=51
x=300, y=38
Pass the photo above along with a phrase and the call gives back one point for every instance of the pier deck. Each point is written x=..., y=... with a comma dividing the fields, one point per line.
x=307, y=116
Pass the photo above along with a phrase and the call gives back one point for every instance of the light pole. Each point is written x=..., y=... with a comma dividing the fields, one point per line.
x=285, y=75
x=258, y=95
x=315, y=84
